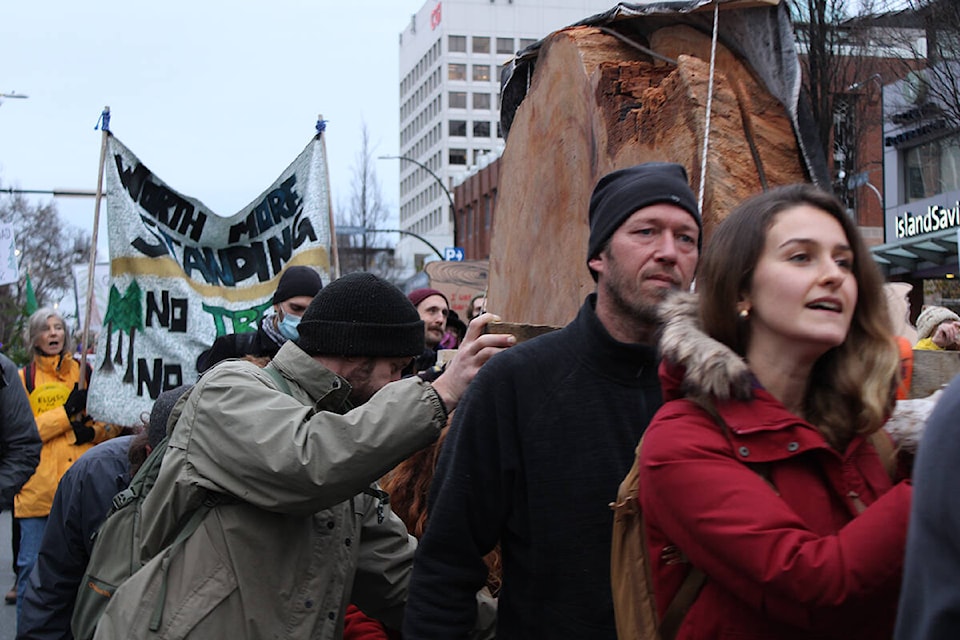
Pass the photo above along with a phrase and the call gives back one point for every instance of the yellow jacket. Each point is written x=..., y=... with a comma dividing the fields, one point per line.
x=53, y=382
x=927, y=344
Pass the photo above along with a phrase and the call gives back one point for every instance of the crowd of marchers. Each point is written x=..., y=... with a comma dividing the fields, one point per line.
x=367, y=465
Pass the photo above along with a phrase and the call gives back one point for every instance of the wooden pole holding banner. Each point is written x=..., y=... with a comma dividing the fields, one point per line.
x=105, y=129
x=334, y=253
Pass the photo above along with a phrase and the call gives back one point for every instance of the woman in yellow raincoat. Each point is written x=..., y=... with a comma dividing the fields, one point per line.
x=60, y=409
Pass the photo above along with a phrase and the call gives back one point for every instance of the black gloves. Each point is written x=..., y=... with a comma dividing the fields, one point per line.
x=83, y=430
x=76, y=408
x=76, y=401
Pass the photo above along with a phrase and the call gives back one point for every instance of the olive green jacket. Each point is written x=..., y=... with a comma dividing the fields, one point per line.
x=296, y=539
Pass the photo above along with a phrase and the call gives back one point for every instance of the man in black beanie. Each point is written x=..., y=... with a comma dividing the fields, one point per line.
x=298, y=284
x=296, y=447
x=540, y=444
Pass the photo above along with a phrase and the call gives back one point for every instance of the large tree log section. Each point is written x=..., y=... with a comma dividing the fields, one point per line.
x=596, y=104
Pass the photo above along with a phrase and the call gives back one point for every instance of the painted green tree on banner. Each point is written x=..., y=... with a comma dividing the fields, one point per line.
x=124, y=314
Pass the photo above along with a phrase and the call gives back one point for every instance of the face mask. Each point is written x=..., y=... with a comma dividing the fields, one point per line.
x=288, y=326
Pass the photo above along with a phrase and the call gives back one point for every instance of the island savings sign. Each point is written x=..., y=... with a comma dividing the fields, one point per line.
x=435, y=17
x=936, y=218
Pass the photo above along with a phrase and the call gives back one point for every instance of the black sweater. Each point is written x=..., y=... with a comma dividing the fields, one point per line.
x=536, y=451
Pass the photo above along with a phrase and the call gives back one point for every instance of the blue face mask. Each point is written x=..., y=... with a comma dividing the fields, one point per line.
x=288, y=326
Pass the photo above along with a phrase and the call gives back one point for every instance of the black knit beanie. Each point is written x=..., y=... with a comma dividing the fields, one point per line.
x=620, y=193
x=361, y=314
x=160, y=413
x=297, y=281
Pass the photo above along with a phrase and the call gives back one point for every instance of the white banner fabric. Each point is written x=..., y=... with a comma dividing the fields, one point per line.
x=8, y=254
x=180, y=276
x=101, y=294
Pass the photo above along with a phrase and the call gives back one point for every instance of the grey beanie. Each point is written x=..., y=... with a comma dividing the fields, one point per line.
x=620, y=193
x=361, y=314
x=930, y=318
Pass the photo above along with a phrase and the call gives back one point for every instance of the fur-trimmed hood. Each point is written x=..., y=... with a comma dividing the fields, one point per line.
x=694, y=363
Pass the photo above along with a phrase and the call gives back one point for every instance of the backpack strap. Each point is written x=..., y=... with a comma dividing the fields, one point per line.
x=685, y=596
x=683, y=599
x=279, y=379
x=30, y=376
x=193, y=523
x=690, y=588
x=762, y=469
x=631, y=581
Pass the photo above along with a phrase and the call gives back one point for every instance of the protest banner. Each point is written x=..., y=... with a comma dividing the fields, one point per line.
x=180, y=276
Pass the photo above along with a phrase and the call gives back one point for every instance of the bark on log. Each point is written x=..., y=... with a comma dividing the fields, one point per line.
x=596, y=104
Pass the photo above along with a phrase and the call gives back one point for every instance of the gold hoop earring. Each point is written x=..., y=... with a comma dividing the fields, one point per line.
x=744, y=314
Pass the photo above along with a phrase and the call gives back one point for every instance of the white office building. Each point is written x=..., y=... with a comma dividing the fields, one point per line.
x=451, y=54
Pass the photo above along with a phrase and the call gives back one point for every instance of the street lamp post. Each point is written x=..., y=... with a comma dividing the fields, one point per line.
x=874, y=78
x=453, y=208
x=877, y=78
x=69, y=193
x=12, y=94
x=349, y=230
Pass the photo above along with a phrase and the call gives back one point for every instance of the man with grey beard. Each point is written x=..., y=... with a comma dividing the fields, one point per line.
x=547, y=431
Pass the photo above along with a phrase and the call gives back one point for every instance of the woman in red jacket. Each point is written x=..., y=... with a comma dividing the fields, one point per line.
x=783, y=503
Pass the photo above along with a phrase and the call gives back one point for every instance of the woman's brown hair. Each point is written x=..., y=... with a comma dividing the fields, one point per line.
x=851, y=386
x=409, y=486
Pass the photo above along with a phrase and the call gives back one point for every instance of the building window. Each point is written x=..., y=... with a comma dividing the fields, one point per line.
x=481, y=44
x=456, y=71
x=481, y=101
x=458, y=127
x=932, y=168
x=526, y=42
x=457, y=44
x=458, y=156
x=481, y=72
x=505, y=45
x=481, y=129
x=457, y=100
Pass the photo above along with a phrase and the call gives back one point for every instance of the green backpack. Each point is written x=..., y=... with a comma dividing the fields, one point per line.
x=116, y=548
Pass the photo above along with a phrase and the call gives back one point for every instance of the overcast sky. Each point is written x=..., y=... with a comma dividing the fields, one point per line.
x=215, y=97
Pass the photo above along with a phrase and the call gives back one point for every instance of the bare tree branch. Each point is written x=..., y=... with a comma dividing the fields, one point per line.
x=366, y=210
x=48, y=248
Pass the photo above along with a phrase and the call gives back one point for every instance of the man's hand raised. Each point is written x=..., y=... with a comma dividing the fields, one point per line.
x=477, y=347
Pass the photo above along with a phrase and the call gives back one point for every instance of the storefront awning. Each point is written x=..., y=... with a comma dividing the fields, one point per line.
x=932, y=254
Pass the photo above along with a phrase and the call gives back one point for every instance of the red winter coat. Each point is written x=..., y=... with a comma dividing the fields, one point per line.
x=801, y=564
